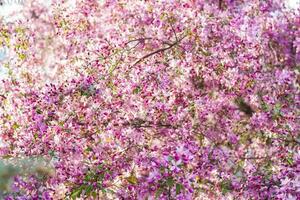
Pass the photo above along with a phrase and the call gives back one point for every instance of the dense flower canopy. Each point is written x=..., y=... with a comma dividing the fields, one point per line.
x=195, y=99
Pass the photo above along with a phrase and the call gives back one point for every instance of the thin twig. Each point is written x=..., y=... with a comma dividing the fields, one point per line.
x=147, y=124
x=174, y=32
x=254, y=158
x=155, y=52
x=139, y=40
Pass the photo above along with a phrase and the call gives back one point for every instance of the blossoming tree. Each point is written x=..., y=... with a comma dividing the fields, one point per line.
x=195, y=99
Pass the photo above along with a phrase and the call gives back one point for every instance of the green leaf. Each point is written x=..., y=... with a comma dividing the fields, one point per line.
x=88, y=190
x=100, y=166
x=89, y=176
x=22, y=56
x=170, y=158
x=264, y=106
x=290, y=160
x=61, y=123
x=110, y=191
x=51, y=153
x=136, y=90
x=101, y=176
x=276, y=111
x=192, y=109
x=132, y=180
x=170, y=182
x=179, y=187
x=225, y=186
x=112, y=68
x=35, y=136
x=15, y=126
x=158, y=192
x=77, y=192
x=88, y=149
x=205, y=53
x=94, y=194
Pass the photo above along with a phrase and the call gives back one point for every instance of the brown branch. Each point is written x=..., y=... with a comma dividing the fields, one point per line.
x=174, y=32
x=254, y=158
x=139, y=123
x=288, y=140
x=155, y=52
x=220, y=4
x=139, y=40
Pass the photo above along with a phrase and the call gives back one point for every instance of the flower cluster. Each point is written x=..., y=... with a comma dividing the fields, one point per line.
x=154, y=99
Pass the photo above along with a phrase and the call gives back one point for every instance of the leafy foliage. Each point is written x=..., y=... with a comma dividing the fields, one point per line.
x=176, y=99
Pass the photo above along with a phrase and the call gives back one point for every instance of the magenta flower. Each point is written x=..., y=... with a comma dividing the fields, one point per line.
x=151, y=99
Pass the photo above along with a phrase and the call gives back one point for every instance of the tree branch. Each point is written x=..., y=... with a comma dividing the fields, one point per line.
x=139, y=123
x=139, y=40
x=156, y=51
